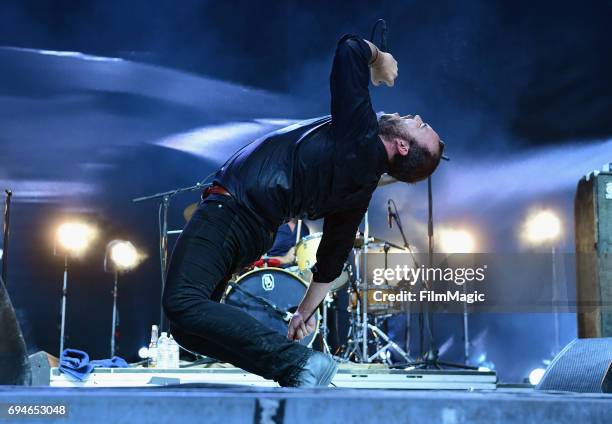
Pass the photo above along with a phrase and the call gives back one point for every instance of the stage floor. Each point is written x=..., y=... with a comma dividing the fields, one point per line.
x=350, y=375
x=227, y=404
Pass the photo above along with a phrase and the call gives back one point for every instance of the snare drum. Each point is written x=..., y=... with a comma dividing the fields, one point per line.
x=279, y=287
x=378, y=301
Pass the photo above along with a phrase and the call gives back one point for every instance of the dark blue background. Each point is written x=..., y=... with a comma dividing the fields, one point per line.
x=521, y=92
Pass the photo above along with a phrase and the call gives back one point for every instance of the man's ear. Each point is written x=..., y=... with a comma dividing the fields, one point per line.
x=402, y=147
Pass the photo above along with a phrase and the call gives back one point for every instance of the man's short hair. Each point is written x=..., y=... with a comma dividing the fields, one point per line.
x=418, y=164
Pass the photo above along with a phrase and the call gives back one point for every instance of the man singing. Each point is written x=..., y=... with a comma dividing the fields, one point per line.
x=321, y=168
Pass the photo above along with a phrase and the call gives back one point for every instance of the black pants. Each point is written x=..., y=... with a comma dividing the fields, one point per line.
x=220, y=237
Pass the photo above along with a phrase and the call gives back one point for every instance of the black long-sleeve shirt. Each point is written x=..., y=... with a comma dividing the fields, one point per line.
x=325, y=167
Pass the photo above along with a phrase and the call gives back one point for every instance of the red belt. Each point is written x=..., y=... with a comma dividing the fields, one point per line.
x=215, y=189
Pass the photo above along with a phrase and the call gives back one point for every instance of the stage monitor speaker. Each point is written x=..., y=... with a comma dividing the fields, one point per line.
x=582, y=366
x=593, y=221
x=606, y=385
x=41, y=363
x=14, y=363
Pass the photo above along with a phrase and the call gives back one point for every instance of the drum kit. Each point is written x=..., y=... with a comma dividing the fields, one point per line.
x=271, y=294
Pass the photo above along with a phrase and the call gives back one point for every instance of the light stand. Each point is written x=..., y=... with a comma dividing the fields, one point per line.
x=114, y=326
x=121, y=256
x=63, y=313
x=72, y=238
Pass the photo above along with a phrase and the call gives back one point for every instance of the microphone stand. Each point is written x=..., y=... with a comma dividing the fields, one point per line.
x=431, y=358
x=163, y=233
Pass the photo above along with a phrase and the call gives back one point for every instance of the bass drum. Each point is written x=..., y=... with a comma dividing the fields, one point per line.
x=277, y=286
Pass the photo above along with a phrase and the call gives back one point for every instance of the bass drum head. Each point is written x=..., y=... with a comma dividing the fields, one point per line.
x=283, y=289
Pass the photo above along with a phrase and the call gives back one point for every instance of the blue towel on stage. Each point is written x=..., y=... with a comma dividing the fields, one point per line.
x=76, y=363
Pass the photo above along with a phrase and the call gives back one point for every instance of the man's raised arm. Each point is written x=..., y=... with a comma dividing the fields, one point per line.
x=356, y=62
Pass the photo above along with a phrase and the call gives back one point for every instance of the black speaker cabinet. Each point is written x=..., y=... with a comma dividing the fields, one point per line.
x=582, y=366
x=14, y=362
x=593, y=220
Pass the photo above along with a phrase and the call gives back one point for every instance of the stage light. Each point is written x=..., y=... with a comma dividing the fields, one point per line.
x=542, y=227
x=75, y=237
x=456, y=241
x=123, y=254
x=535, y=376
x=72, y=239
x=143, y=352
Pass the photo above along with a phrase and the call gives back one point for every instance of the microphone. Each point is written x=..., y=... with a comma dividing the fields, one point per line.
x=383, y=35
x=389, y=214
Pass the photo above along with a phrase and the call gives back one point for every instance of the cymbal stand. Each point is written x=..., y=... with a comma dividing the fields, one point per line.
x=358, y=337
x=364, y=291
x=389, y=344
x=324, y=329
x=353, y=346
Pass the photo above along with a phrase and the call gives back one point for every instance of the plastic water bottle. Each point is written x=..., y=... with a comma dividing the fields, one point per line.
x=153, y=347
x=174, y=361
x=163, y=350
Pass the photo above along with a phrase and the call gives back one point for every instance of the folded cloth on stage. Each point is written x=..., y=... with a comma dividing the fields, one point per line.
x=76, y=363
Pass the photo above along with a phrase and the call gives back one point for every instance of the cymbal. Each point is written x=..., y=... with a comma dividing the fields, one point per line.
x=189, y=211
x=374, y=241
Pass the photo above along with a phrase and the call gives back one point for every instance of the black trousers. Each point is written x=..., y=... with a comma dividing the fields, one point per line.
x=221, y=237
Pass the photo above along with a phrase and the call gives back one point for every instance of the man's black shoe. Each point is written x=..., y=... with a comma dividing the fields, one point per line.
x=318, y=371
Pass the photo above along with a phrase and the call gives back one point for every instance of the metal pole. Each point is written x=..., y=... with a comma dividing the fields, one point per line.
x=364, y=293
x=466, y=336
x=555, y=296
x=430, y=233
x=113, y=333
x=298, y=233
x=64, y=293
x=163, y=257
x=324, y=327
x=5, y=244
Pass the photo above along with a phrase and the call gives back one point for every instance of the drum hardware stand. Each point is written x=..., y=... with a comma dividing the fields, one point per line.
x=323, y=328
x=357, y=343
x=364, y=291
x=163, y=233
x=352, y=346
x=390, y=344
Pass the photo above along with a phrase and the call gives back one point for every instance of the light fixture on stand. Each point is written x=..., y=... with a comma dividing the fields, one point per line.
x=543, y=228
x=453, y=241
x=121, y=256
x=72, y=240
